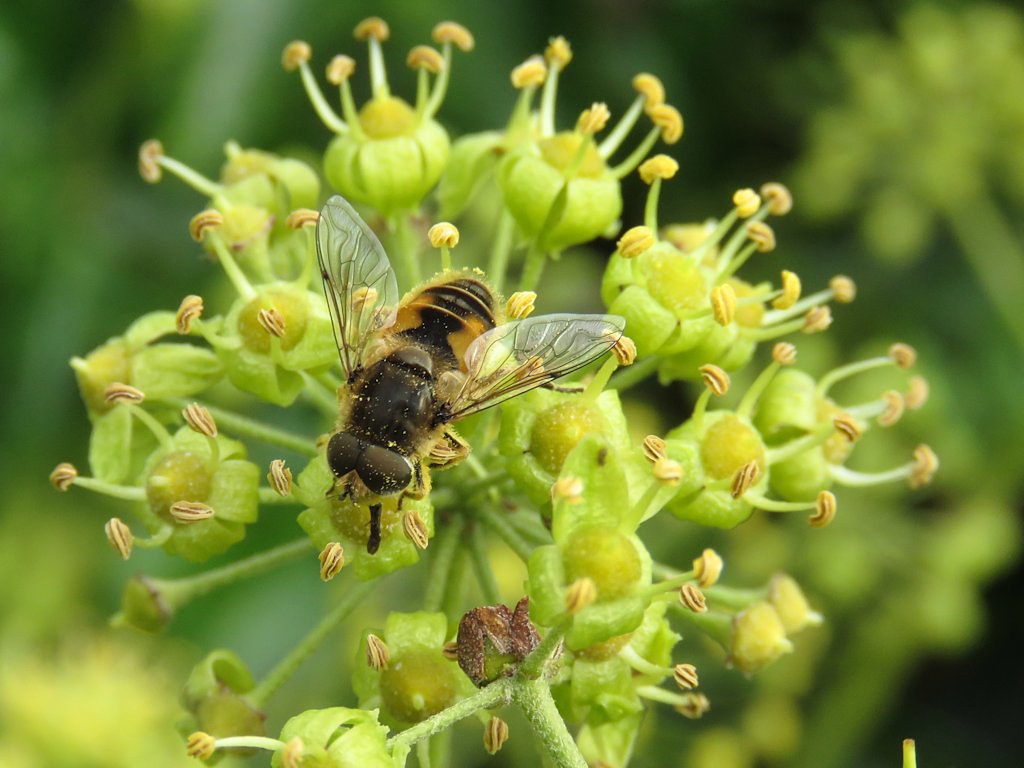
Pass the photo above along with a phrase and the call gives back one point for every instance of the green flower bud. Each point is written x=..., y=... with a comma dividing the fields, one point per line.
x=473, y=157
x=190, y=471
x=259, y=361
x=340, y=737
x=758, y=638
x=417, y=680
x=393, y=162
x=214, y=696
x=559, y=191
x=539, y=429
x=609, y=742
x=142, y=606
x=328, y=519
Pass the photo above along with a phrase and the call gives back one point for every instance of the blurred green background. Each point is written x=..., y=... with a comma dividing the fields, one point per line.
x=900, y=128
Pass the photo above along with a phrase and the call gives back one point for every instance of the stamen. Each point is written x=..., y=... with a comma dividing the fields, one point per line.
x=917, y=392
x=117, y=393
x=425, y=57
x=415, y=529
x=791, y=289
x=568, y=489
x=272, y=321
x=443, y=234
x=297, y=55
x=894, y=407
x=495, y=735
x=784, y=353
x=624, y=350
x=654, y=448
x=744, y=479
x=520, y=305
x=848, y=427
x=723, y=304
x=200, y=745
x=149, y=154
x=817, y=320
x=190, y=309
x=199, y=419
x=530, y=73
x=778, y=197
x=903, y=355
x=925, y=465
x=747, y=202
x=594, y=119
x=579, y=595
x=558, y=54
x=668, y=472
x=280, y=477
x=450, y=651
x=685, y=676
x=188, y=512
x=695, y=707
x=692, y=598
x=715, y=379
x=708, y=568
x=454, y=33
x=658, y=167
x=292, y=754
x=824, y=510
x=153, y=161
x=63, y=476
x=667, y=118
x=120, y=537
x=844, y=290
x=205, y=221
x=377, y=654
x=332, y=560
x=651, y=88
x=762, y=235
x=340, y=68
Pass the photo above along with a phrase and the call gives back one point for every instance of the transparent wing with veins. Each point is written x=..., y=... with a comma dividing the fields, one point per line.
x=360, y=285
x=518, y=356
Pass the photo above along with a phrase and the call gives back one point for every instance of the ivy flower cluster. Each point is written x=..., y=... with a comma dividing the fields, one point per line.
x=559, y=476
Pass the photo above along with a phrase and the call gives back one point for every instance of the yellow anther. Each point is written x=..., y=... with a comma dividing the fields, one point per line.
x=295, y=54
x=415, y=529
x=654, y=448
x=744, y=478
x=200, y=745
x=685, y=676
x=817, y=319
x=723, y=304
x=762, y=235
x=530, y=73
x=191, y=308
x=63, y=476
x=443, y=234
x=450, y=651
x=926, y=463
x=778, y=196
x=903, y=355
x=847, y=426
x=715, y=379
x=520, y=305
x=372, y=27
x=691, y=597
x=894, y=407
x=658, y=167
x=340, y=68
x=650, y=87
x=272, y=321
x=191, y=511
x=302, y=217
x=746, y=201
x=708, y=568
x=791, y=290
x=204, y=221
x=593, y=120
x=668, y=472
x=558, y=53
x=425, y=57
x=624, y=350
x=377, y=654
x=120, y=537
x=199, y=419
x=291, y=754
x=635, y=241
x=844, y=290
x=784, y=353
x=580, y=594
x=454, y=33
x=917, y=392
x=118, y=392
x=149, y=153
x=695, y=706
x=495, y=735
x=824, y=510
x=668, y=119
x=332, y=560
x=568, y=489
x=280, y=477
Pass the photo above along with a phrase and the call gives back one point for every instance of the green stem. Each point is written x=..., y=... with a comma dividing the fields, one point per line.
x=270, y=497
x=536, y=258
x=259, y=695
x=322, y=397
x=504, y=530
x=533, y=697
x=625, y=378
x=501, y=249
x=243, y=426
x=423, y=753
x=404, y=252
x=440, y=567
x=533, y=666
x=125, y=492
x=482, y=566
x=179, y=592
x=497, y=694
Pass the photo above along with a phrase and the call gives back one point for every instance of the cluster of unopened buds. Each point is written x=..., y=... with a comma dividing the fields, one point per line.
x=558, y=477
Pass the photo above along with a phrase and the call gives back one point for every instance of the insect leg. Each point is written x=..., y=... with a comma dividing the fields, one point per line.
x=373, y=541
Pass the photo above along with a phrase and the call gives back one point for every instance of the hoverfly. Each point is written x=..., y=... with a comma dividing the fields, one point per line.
x=415, y=367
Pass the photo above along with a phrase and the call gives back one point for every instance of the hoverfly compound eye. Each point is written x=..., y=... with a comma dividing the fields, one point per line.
x=383, y=471
x=343, y=452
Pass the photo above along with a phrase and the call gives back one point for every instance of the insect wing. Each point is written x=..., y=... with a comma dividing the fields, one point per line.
x=518, y=356
x=360, y=285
